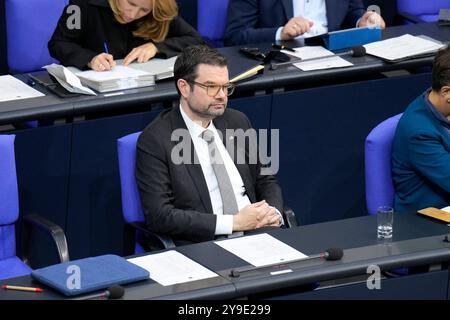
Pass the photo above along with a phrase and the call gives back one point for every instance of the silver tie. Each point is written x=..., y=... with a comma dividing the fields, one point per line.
x=226, y=189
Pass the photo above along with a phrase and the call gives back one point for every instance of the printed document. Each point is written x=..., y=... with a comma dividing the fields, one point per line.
x=14, y=89
x=314, y=52
x=406, y=46
x=171, y=267
x=261, y=249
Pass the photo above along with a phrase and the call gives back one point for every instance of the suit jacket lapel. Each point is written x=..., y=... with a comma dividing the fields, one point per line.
x=288, y=9
x=194, y=169
x=244, y=171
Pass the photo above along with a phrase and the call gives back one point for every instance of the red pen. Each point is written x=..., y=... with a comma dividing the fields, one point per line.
x=30, y=289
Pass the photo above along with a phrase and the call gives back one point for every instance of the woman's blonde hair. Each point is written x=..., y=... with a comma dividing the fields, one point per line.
x=155, y=25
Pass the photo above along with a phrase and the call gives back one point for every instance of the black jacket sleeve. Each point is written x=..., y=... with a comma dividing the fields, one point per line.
x=154, y=180
x=180, y=35
x=65, y=43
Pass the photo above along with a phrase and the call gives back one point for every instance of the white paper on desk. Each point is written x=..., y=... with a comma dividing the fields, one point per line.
x=402, y=47
x=118, y=72
x=446, y=209
x=160, y=68
x=317, y=51
x=14, y=89
x=171, y=267
x=261, y=249
x=68, y=79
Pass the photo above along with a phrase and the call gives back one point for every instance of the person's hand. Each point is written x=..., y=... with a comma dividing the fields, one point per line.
x=371, y=18
x=247, y=218
x=102, y=62
x=295, y=27
x=269, y=218
x=256, y=215
x=142, y=53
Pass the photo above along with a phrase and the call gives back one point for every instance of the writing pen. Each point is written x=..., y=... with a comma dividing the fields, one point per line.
x=105, y=46
x=30, y=289
x=281, y=47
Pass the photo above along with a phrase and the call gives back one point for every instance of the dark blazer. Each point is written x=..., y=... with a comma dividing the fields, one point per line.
x=421, y=159
x=98, y=25
x=175, y=198
x=253, y=21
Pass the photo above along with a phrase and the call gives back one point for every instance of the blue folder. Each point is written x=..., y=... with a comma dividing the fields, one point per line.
x=94, y=274
x=348, y=38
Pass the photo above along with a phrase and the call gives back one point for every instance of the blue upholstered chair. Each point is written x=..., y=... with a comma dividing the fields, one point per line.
x=211, y=20
x=379, y=185
x=137, y=238
x=29, y=26
x=10, y=264
x=421, y=11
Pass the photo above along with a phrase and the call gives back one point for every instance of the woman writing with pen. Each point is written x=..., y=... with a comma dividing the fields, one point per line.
x=133, y=30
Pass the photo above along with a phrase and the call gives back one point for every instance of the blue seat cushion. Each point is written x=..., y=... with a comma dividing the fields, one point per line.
x=13, y=267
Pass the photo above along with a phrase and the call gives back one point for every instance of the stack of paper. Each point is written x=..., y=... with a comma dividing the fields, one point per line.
x=118, y=78
x=404, y=47
x=160, y=68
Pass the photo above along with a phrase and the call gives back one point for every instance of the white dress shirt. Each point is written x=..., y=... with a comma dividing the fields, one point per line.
x=224, y=223
x=314, y=10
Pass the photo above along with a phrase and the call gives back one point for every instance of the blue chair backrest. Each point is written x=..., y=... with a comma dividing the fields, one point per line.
x=9, y=199
x=211, y=20
x=378, y=147
x=29, y=26
x=131, y=201
x=425, y=10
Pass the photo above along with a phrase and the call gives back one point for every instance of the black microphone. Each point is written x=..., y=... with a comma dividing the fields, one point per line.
x=113, y=292
x=356, y=52
x=331, y=254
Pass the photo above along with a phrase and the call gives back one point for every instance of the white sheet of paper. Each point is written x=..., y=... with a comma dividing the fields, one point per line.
x=261, y=249
x=14, y=89
x=171, y=267
x=402, y=47
x=446, y=209
x=317, y=51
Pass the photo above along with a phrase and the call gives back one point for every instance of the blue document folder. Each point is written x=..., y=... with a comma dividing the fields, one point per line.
x=348, y=38
x=89, y=274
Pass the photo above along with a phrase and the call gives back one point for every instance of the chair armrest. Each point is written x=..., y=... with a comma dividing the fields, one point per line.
x=55, y=231
x=409, y=17
x=289, y=218
x=165, y=241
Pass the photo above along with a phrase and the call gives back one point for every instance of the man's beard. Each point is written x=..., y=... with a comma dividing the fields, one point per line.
x=210, y=112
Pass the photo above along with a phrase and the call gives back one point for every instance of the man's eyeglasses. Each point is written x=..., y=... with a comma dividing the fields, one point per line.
x=213, y=89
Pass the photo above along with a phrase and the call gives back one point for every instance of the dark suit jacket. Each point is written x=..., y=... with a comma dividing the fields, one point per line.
x=175, y=198
x=98, y=25
x=421, y=159
x=253, y=21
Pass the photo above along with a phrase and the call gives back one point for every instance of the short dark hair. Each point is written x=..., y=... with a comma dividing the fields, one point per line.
x=187, y=62
x=441, y=69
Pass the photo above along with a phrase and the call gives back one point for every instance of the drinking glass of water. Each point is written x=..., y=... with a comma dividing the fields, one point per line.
x=385, y=221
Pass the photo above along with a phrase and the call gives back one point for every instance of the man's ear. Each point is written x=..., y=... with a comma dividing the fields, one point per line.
x=184, y=87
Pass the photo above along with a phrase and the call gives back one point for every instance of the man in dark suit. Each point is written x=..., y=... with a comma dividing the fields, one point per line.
x=253, y=21
x=191, y=187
